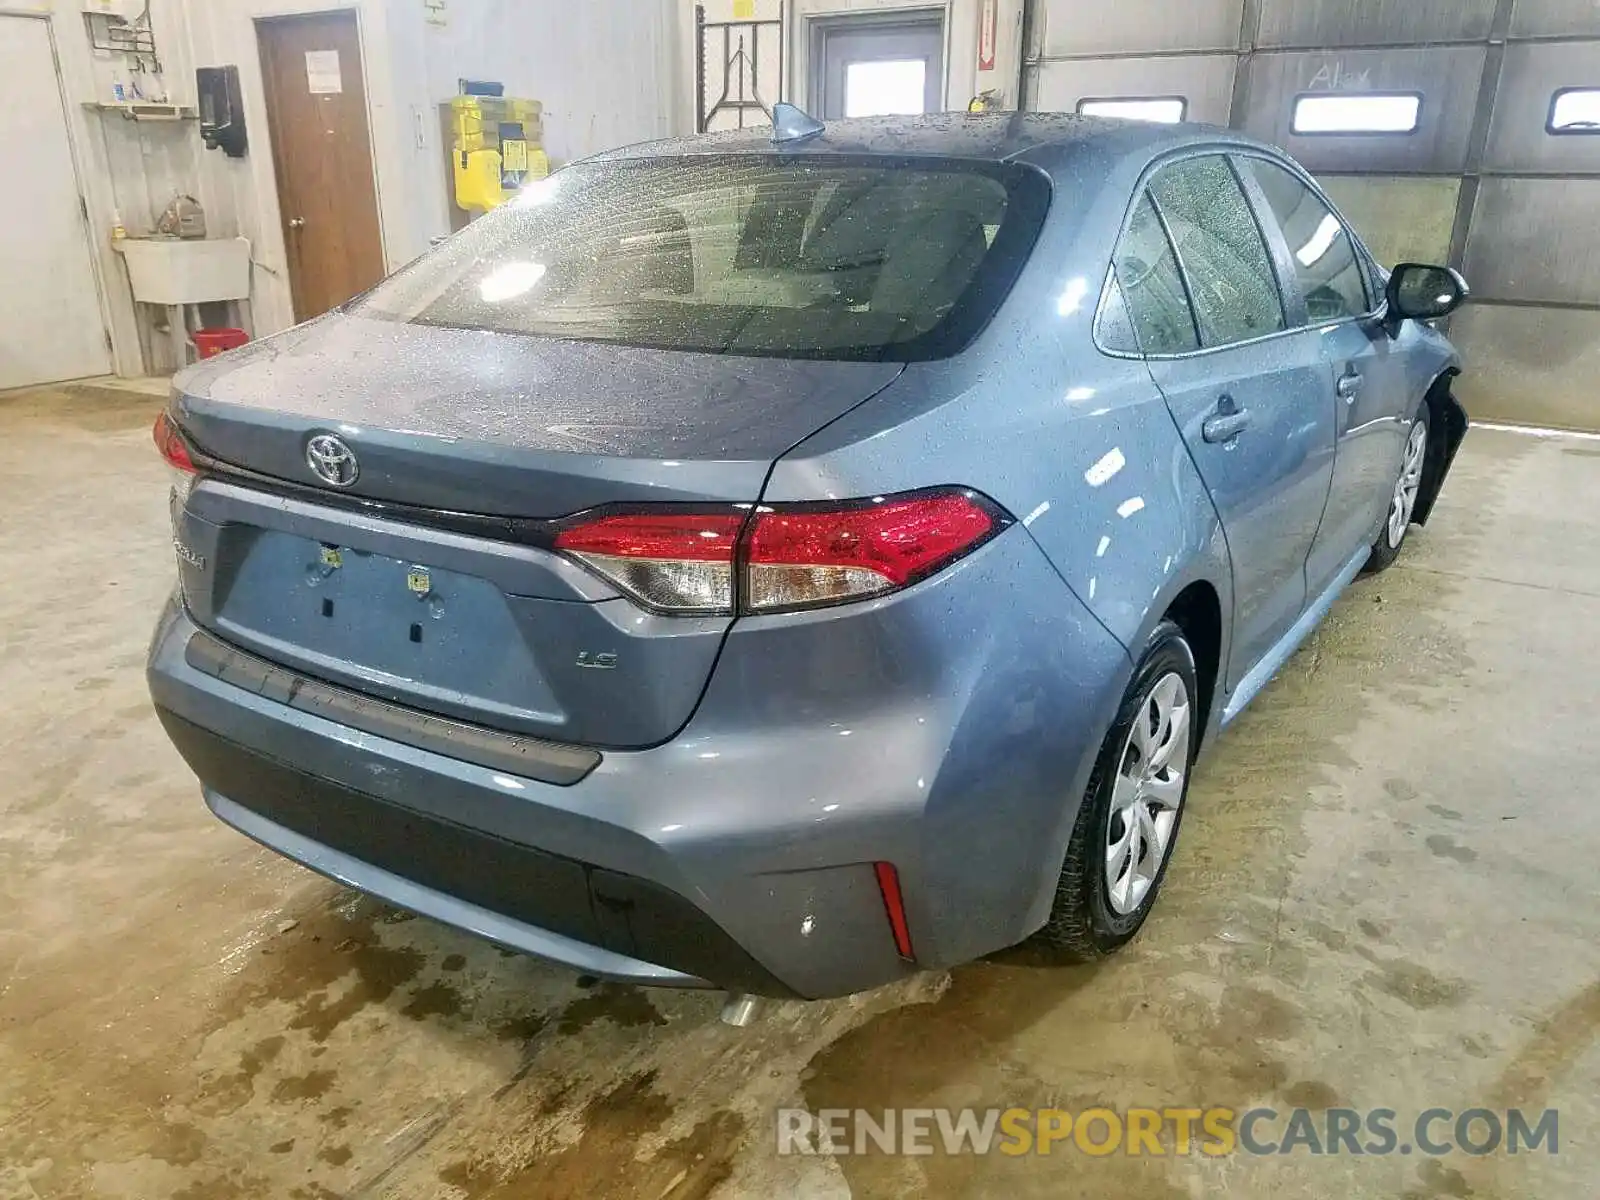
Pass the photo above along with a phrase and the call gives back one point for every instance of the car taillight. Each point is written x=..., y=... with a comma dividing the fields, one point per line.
x=782, y=557
x=800, y=556
x=172, y=446
x=183, y=472
x=668, y=559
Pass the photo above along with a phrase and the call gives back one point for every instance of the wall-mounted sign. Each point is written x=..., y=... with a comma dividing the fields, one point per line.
x=988, y=31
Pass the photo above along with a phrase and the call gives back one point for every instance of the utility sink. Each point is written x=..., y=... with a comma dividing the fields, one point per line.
x=169, y=270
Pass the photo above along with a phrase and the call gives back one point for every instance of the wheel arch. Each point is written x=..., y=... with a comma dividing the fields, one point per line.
x=1197, y=610
x=1200, y=602
x=1447, y=426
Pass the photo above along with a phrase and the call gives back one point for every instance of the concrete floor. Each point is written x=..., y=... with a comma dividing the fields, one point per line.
x=1385, y=896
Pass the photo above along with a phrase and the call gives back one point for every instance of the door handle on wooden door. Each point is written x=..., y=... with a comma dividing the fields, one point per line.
x=297, y=222
x=1226, y=423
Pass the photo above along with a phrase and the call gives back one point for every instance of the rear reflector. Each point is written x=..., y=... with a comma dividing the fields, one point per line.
x=782, y=557
x=171, y=444
x=894, y=906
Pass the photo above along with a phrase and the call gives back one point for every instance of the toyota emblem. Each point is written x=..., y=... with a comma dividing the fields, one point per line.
x=333, y=462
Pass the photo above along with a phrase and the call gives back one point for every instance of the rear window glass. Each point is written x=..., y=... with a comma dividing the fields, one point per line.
x=798, y=257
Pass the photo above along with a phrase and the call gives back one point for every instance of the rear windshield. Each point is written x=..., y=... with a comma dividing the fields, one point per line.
x=805, y=258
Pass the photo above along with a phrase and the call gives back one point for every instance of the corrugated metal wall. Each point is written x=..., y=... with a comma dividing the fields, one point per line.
x=1481, y=183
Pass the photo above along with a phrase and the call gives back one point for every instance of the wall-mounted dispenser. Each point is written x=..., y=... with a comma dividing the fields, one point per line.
x=495, y=145
x=221, y=110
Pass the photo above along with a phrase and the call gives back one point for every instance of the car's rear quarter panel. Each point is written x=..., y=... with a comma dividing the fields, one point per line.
x=1078, y=444
x=1080, y=447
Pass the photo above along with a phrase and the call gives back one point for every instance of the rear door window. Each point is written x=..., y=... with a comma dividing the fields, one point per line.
x=790, y=256
x=1325, y=258
x=1224, y=257
x=1150, y=289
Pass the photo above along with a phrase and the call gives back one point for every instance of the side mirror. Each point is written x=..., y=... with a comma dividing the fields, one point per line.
x=1424, y=293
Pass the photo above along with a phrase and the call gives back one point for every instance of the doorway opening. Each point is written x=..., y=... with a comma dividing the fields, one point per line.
x=316, y=97
x=878, y=64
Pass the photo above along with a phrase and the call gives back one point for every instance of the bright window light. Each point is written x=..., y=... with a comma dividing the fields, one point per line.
x=885, y=88
x=1575, y=110
x=1167, y=110
x=1321, y=242
x=1368, y=112
x=510, y=280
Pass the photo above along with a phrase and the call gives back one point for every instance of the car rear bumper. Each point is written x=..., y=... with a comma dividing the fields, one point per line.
x=516, y=895
x=740, y=854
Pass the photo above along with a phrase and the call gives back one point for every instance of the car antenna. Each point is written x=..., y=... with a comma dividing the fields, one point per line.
x=790, y=123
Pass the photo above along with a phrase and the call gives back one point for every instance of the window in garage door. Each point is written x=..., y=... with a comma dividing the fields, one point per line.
x=1164, y=110
x=1575, y=110
x=52, y=328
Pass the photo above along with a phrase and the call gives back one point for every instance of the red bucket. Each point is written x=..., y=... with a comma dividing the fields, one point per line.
x=211, y=342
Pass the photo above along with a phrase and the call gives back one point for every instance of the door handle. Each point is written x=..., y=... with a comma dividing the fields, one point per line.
x=1349, y=385
x=297, y=222
x=1226, y=423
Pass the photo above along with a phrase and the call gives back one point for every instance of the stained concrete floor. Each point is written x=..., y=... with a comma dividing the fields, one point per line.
x=1385, y=896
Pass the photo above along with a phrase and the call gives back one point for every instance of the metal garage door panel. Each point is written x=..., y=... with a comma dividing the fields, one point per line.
x=1533, y=239
x=1532, y=74
x=1531, y=366
x=1372, y=22
x=1137, y=26
x=1401, y=219
x=1537, y=18
x=1205, y=80
x=1447, y=76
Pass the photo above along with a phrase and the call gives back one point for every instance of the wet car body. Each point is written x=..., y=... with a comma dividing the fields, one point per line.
x=405, y=684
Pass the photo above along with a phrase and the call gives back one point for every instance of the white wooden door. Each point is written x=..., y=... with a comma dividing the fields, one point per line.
x=51, y=326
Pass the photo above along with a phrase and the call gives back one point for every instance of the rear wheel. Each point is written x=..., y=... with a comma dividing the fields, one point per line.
x=1403, y=499
x=1128, y=822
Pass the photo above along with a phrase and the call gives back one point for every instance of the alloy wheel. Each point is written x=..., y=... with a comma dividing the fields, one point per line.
x=1404, y=500
x=1148, y=793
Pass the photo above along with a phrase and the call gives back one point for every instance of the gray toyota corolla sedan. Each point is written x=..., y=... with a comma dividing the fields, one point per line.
x=787, y=566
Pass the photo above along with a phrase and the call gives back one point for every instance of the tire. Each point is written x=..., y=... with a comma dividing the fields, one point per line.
x=1403, y=499
x=1098, y=907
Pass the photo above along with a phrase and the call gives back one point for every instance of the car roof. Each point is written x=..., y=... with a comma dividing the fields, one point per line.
x=984, y=136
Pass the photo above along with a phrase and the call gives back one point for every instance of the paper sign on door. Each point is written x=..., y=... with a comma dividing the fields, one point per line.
x=322, y=72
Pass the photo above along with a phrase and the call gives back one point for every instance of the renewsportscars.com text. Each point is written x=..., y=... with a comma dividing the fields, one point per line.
x=1214, y=1132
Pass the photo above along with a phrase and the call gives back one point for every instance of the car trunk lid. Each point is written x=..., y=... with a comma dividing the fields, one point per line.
x=509, y=424
x=383, y=588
